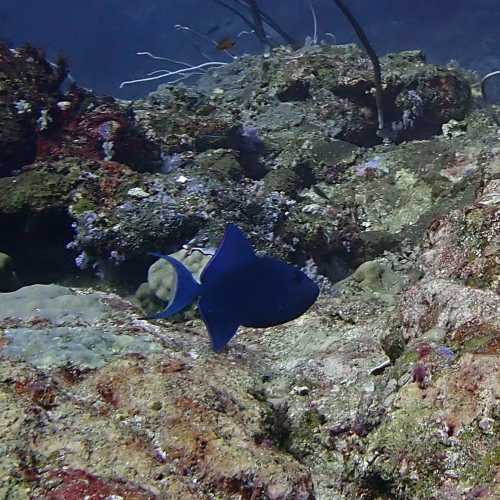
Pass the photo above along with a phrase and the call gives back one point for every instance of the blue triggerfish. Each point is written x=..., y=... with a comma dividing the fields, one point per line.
x=239, y=288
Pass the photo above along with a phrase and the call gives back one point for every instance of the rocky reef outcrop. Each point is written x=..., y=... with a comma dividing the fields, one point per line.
x=386, y=388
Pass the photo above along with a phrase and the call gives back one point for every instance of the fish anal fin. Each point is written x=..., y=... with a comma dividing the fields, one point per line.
x=221, y=328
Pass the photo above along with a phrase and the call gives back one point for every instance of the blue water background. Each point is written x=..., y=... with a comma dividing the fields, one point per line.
x=100, y=37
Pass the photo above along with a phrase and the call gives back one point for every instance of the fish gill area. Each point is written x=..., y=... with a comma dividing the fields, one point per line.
x=387, y=388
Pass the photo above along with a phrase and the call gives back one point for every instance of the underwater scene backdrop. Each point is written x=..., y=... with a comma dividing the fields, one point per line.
x=100, y=38
x=249, y=249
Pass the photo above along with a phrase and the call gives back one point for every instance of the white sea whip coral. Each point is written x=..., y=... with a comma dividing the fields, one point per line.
x=187, y=71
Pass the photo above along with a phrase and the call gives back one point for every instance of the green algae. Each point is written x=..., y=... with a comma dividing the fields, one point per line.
x=38, y=190
x=285, y=180
x=81, y=205
x=408, y=440
x=219, y=164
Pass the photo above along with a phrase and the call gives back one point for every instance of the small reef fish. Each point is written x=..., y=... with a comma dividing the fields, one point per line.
x=238, y=287
x=225, y=43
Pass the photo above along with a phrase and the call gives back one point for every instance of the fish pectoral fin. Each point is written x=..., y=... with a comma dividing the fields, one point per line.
x=221, y=328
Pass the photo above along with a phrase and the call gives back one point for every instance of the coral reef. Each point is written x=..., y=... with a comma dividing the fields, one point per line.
x=28, y=89
x=386, y=388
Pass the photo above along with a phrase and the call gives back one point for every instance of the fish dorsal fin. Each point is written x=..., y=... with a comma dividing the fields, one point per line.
x=221, y=327
x=186, y=288
x=233, y=252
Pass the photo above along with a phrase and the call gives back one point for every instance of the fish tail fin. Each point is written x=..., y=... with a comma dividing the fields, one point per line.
x=186, y=289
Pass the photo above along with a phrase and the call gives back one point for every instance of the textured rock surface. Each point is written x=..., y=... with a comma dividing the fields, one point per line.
x=386, y=388
x=40, y=122
x=28, y=85
x=445, y=340
x=157, y=420
x=51, y=326
x=329, y=87
x=267, y=143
